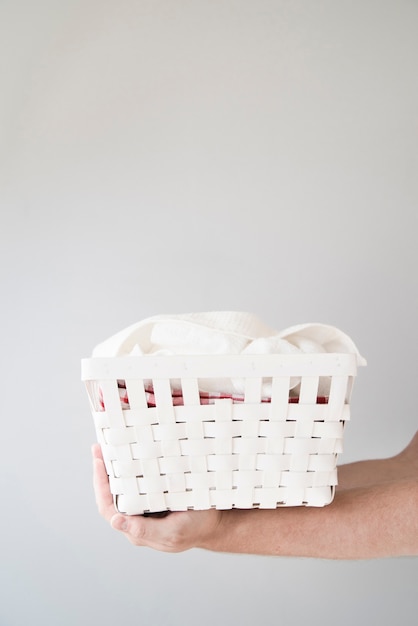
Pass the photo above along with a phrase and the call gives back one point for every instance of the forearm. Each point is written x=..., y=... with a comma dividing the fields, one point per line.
x=371, y=472
x=361, y=523
x=374, y=514
x=376, y=471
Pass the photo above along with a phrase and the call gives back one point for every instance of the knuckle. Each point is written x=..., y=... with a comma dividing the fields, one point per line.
x=175, y=542
x=137, y=534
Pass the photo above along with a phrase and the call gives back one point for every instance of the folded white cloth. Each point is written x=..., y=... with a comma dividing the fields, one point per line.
x=224, y=332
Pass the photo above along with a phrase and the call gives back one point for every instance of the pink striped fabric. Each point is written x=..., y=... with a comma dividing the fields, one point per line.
x=177, y=397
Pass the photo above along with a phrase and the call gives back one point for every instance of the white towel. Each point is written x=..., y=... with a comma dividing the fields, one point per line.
x=224, y=332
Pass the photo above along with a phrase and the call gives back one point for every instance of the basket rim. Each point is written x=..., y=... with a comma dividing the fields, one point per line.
x=218, y=366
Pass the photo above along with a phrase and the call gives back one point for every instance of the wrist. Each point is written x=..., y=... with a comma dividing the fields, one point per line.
x=221, y=537
x=211, y=536
x=238, y=531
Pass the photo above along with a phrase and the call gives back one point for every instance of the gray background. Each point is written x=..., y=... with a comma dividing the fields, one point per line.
x=173, y=156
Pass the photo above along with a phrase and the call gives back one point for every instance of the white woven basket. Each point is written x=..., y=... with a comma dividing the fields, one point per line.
x=252, y=453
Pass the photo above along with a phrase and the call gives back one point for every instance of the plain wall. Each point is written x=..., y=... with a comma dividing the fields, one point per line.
x=173, y=156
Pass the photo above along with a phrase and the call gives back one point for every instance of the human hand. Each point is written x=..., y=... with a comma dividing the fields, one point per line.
x=176, y=532
x=352, y=527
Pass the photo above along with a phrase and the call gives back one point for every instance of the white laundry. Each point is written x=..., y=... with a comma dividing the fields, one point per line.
x=224, y=332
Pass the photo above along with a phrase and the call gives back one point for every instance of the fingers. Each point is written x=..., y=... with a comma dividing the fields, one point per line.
x=136, y=528
x=96, y=451
x=104, y=499
x=176, y=532
x=164, y=534
x=172, y=532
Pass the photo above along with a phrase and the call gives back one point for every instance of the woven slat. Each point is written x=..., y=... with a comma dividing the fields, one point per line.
x=193, y=452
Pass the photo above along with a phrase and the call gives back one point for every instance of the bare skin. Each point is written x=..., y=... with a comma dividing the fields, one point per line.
x=374, y=515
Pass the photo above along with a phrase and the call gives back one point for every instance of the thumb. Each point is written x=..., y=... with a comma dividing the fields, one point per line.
x=119, y=522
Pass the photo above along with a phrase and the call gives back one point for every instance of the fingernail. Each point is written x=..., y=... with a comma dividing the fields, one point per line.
x=119, y=523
